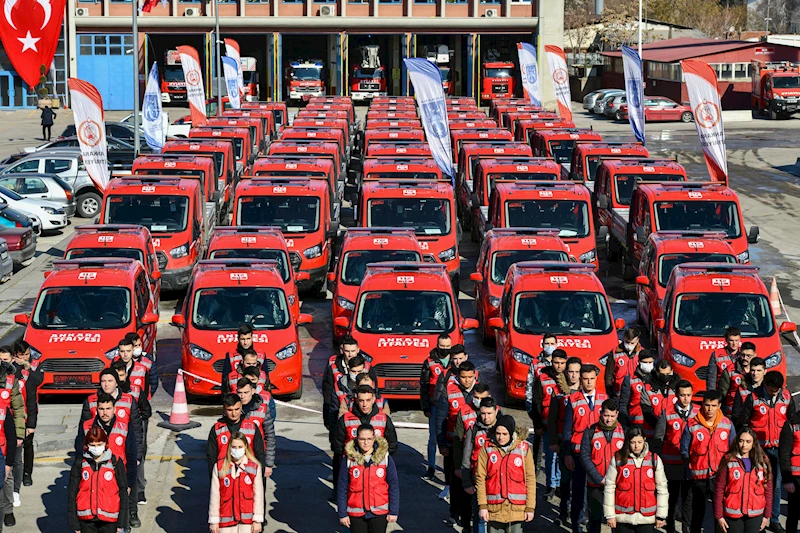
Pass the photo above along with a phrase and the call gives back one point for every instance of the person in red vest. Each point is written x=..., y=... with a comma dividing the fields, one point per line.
x=766, y=411
x=236, y=504
x=752, y=382
x=622, y=361
x=368, y=488
x=125, y=406
x=634, y=387
x=669, y=431
x=232, y=421
x=659, y=393
x=255, y=409
x=432, y=368
x=465, y=420
x=474, y=440
x=706, y=439
x=97, y=493
x=738, y=380
x=365, y=378
x=555, y=432
x=599, y=444
x=337, y=368
x=635, y=498
x=582, y=411
x=723, y=360
x=789, y=452
x=743, y=490
x=505, y=478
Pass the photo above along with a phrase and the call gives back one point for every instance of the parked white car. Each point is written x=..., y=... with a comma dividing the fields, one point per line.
x=49, y=215
x=173, y=130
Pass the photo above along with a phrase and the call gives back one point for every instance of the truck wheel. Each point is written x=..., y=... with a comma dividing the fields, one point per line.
x=686, y=116
x=89, y=205
x=296, y=395
x=320, y=289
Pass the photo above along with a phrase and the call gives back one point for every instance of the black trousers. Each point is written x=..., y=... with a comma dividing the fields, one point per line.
x=28, y=456
x=694, y=505
x=46, y=132
x=744, y=525
x=595, y=500
x=98, y=526
x=629, y=528
x=371, y=525
x=793, y=509
x=460, y=501
x=678, y=488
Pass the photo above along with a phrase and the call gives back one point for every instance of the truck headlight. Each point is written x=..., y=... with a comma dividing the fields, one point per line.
x=199, y=353
x=494, y=302
x=180, y=251
x=743, y=257
x=110, y=355
x=683, y=359
x=287, y=352
x=448, y=255
x=291, y=299
x=35, y=354
x=588, y=257
x=773, y=360
x=521, y=357
x=314, y=251
x=346, y=304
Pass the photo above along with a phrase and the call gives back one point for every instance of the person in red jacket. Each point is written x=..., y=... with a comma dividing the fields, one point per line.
x=743, y=490
x=789, y=454
x=598, y=446
x=236, y=504
x=622, y=361
x=97, y=494
x=723, y=360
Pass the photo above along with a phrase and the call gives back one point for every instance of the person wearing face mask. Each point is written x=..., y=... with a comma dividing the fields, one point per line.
x=723, y=360
x=97, y=493
x=632, y=390
x=144, y=358
x=432, y=368
x=598, y=446
x=233, y=421
x=555, y=432
x=255, y=409
x=465, y=421
x=659, y=392
x=544, y=360
x=550, y=381
x=475, y=439
x=336, y=368
x=622, y=362
x=236, y=504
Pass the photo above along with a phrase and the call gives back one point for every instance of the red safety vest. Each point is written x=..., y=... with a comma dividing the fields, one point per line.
x=234, y=376
x=117, y=439
x=707, y=449
x=673, y=431
x=537, y=365
x=122, y=406
x=351, y=423
x=795, y=457
x=582, y=417
x=341, y=393
x=736, y=384
x=258, y=416
x=561, y=405
x=635, y=415
x=98, y=492
x=147, y=363
x=767, y=421
x=479, y=441
x=139, y=372
x=368, y=490
x=237, y=495
x=724, y=362
x=468, y=417
x=5, y=410
x=744, y=492
x=549, y=389
x=636, y=487
x=436, y=369
x=603, y=451
x=455, y=403
x=505, y=475
x=623, y=366
x=247, y=428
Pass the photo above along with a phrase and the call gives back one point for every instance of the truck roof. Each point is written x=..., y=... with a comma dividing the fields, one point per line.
x=691, y=242
x=624, y=148
x=282, y=185
x=514, y=164
x=401, y=189
x=570, y=133
x=687, y=190
x=407, y=275
x=376, y=164
x=290, y=163
x=392, y=238
x=501, y=147
x=110, y=235
x=246, y=237
x=662, y=166
x=113, y=272
x=498, y=64
x=544, y=190
x=524, y=239
x=236, y=272
x=717, y=277
x=153, y=184
x=547, y=276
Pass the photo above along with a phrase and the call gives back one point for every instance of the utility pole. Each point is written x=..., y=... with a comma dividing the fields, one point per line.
x=135, y=32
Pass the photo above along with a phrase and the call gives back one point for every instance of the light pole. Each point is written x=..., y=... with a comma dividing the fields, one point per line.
x=135, y=32
x=218, y=60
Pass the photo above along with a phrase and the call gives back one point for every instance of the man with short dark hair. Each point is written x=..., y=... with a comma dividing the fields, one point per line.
x=549, y=381
x=622, y=361
x=634, y=387
x=254, y=408
x=337, y=369
x=731, y=383
x=598, y=445
x=751, y=382
x=232, y=420
x=475, y=439
x=432, y=368
x=555, y=432
x=723, y=360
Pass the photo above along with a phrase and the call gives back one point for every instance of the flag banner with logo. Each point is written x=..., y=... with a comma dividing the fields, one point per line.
x=558, y=71
x=147, y=5
x=195, y=93
x=427, y=82
x=30, y=31
x=634, y=91
x=152, y=114
x=529, y=73
x=90, y=128
x=232, y=50
x=229, y=66
x=701, y=83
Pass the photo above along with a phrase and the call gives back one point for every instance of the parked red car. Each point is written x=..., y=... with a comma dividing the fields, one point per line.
x=658, y=108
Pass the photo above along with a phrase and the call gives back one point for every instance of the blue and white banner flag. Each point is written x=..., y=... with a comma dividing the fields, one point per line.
x=152, y=114
x=427, y=82
x=231, y=68
x=529, y=72
x=634, y=91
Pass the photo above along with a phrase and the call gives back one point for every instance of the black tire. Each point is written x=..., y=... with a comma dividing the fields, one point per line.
x=89, y=205
x=320, y=289
x=618, y=116
x=687, y=116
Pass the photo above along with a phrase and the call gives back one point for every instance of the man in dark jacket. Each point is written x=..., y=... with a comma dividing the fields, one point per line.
x=33, y=380
x=364, y=409
x=250, y=405
x=232, y=418
x=432, y=368
x=633, y=388
x=48, y=115
x=109, y=383
x=595, y=471
x=338, y=366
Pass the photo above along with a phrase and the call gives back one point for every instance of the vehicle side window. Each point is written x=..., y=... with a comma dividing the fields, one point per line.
x=57, y=166
x=31, y=186
x=10, y=183
x=668, y=307
x=31, y=165
x=142, y=296
x=506, y=307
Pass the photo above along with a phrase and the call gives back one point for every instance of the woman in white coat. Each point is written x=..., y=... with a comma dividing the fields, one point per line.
x=237, y=491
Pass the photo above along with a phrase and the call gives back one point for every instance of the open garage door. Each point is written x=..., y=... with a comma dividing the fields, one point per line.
x=162, y=48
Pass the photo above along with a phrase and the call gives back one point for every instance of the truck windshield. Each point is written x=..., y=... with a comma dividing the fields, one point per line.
x=428, y=216
x=159, y=213
x=405, y=312
x=83, y=307
x=368, y=73
x=786, y=82
x=293, y=214
x=174, y=74
x=624, y=183
x=571, y=217
x=227, y=308
x=238, y=144
x=562, y=150
x=498, y=73
x=219, y=159
x=127, y=253
x=256, y=253
x=710, y=314
x=502, y=261
x=562, y=313
x=667, y=262
x=306, y=74
x=354, y=264
x=698, y=215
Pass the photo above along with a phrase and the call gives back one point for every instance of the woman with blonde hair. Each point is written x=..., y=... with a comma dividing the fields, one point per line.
x=237, y=492
x=743, y=493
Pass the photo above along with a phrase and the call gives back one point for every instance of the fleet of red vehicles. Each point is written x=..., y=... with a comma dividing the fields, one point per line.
x=245, y=216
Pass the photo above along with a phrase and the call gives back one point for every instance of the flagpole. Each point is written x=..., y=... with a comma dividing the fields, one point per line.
x=218, y=61
x=640, y=27
x=135, y=31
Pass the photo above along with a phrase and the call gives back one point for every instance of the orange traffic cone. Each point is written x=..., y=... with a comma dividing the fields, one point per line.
x=774, y=298
x=179, y=415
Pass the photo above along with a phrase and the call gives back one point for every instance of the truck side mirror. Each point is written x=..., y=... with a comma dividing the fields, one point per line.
x=602, y=233
x=640, y=235
x=602, y=201
x=753, y=236
x=476, y=202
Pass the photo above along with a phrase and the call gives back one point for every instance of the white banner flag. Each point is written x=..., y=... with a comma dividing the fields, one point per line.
x=195, y=93
x=634, y=91
x=87, y=109
x=232, y=50
x=232, y=81
x=529, y=72
x=152, y=114
x=558, y=71
x=701, y=83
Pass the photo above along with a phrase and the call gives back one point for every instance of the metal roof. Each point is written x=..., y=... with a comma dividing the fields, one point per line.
x=674, y=50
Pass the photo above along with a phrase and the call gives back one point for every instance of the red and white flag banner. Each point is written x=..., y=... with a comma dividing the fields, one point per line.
x=195, y=92
x=87, y=109
x=560, y=75
x=701, y=83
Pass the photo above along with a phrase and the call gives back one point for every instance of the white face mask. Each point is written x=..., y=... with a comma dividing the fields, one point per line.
x=549, y=349
x=353, y=376
x=137, y=352
x=97, y=451
x=629, y=347
x=237, y=453
x=646, y=367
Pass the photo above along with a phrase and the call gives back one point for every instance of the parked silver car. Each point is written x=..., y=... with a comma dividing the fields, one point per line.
x=6, y=263
x=41, y=187
x=593, y=97
x=600, y=105
x=612, y=104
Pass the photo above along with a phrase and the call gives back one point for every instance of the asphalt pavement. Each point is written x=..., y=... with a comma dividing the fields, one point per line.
x=761, y=157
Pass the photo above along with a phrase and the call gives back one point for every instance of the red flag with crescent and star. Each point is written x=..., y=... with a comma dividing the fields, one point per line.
x=29, y=30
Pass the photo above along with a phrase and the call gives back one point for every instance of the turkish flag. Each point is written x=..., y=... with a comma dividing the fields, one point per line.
x=30, y=30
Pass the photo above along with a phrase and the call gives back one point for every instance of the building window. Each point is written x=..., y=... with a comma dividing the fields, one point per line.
x=293, y=2
x=664, y=71
x=497, y=2
x=424, y=1
x=456, y=1
x=389, y=1
x=732, y=71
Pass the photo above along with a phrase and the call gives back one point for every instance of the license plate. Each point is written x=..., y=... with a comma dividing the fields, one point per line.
x=401, y=385
x=72, y=379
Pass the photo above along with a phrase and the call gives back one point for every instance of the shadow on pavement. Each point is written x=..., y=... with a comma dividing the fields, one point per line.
x=190, y=490
x=55, y=501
